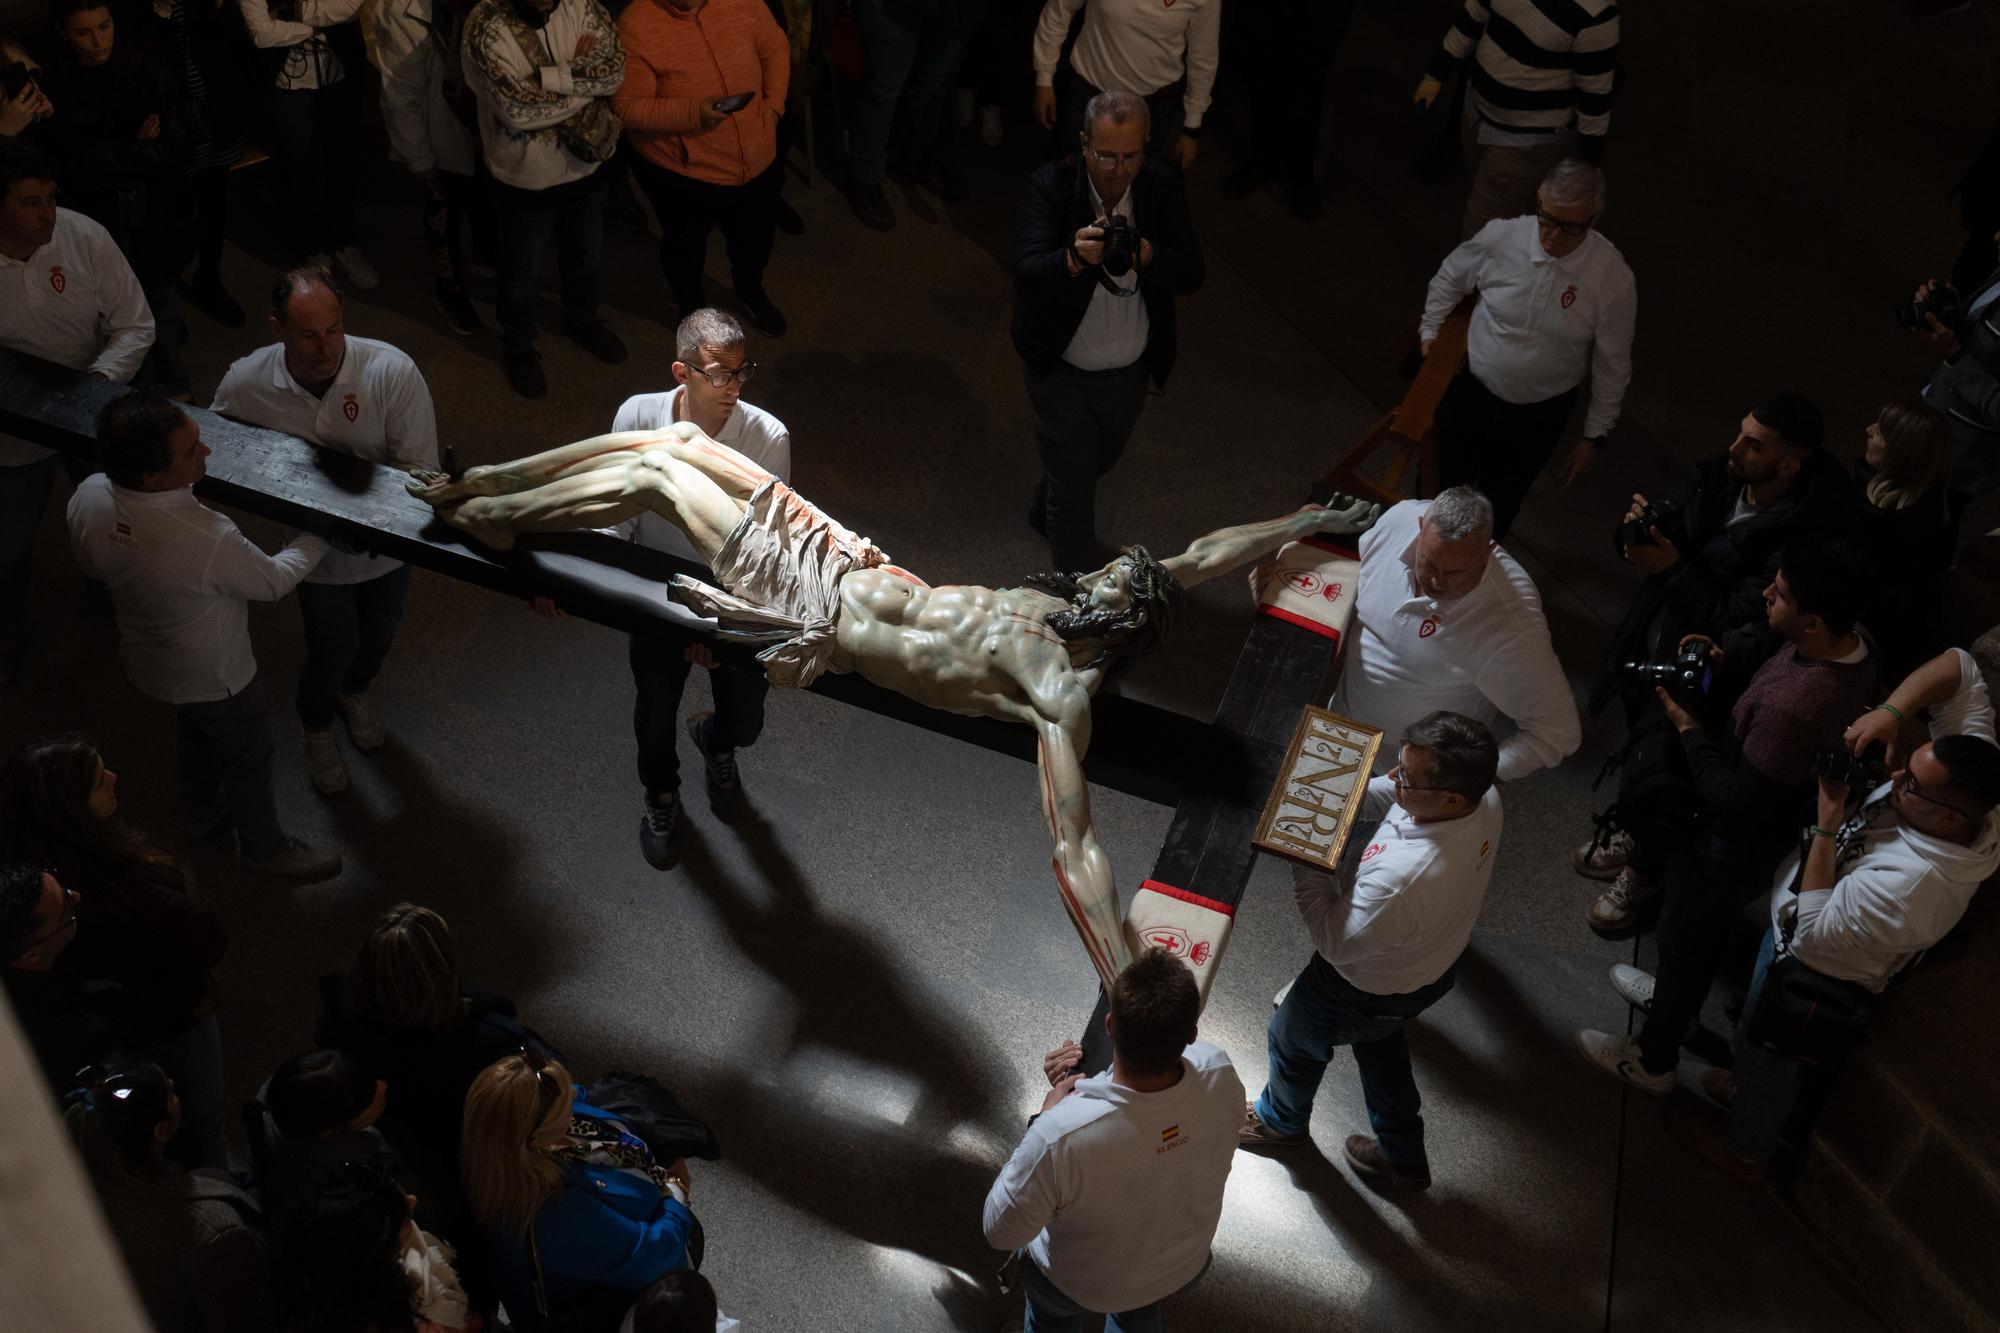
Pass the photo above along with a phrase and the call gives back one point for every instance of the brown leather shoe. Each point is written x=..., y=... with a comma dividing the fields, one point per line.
x=1256, y=1134
x=1365, y=1156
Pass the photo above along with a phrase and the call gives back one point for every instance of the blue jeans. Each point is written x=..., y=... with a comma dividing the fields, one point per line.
x=574, y=215
x=193, y=1060
x=1325, y=1010
x=1049, y=1311
x=349, y=627
x=24, y=494
x=660, y=671
x=1767, y=1083
x=906, y=57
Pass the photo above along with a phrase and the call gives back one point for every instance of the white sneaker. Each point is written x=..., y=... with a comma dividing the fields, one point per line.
x=365, y=726
x=1619, y=1057
x=1278, y=1000
x=991, y=132
x=354, y=267
x=1635, y=984
x=324, y=765
x=294, y=859
x=1618, y=907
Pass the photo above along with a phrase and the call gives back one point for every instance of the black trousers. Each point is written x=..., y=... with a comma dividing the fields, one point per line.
x=1498, y=447
x=660, y=672
x=689, y=209
x=225, y=751
x=315, y=132
x=1083, y=419
x=1292, y=45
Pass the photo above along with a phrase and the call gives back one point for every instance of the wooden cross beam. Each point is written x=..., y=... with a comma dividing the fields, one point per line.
x=1407, y=429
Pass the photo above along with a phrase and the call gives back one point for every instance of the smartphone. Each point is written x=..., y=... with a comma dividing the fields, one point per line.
x=734, y=102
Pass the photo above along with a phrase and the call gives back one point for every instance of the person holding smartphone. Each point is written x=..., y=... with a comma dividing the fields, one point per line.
x=705, y=84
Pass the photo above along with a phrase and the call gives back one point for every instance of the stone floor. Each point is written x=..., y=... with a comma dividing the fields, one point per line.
x=854, y=983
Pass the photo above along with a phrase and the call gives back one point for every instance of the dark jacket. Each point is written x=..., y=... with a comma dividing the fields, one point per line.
x=72, y=1022
x=1049, y=303
x=1967, y=389
x=195, y=1246
x=1717, y=588
x=142, y=928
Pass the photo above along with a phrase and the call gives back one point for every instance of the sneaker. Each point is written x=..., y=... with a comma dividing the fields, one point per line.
x=524, y=374
x=459, y=314
x=725, y=784
x=1720, y=1085
x=324, y=765
x=293, y=859
x=789, y=221
x=1306, y=200
x=365, y=726
x=1619, y=1057
x=872, y=207
x=1239, y=183
x=1256, y=1134
x=207, y=295
x=598, y=340
x=355, y=268
x=991, y=132
x=1364, y=1155
x=1278, y=1000
x=1618, y=907
x=764, y=313
x=1634, y=984
x=660, y=830
x=1602, y=860
x=934, y=176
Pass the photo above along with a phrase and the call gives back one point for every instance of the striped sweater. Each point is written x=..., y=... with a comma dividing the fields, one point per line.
x=1537, y=62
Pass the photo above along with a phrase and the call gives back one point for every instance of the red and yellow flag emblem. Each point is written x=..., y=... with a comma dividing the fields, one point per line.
x=1170, y=1133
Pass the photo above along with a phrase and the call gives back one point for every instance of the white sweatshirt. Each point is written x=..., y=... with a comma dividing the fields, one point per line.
x=1137, y=46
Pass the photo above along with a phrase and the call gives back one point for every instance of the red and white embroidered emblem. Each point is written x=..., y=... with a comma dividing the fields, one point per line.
x=1177, y=943
x=1569, y=296
x=349, y=408
x=1428, y=628
x=1332, y=593
x=1374, y=850
x=1305, y=581
x=57, y=279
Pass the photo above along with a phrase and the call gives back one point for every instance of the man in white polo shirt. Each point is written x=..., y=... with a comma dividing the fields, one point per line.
x=712, y=364
x=1387, y=930
x=360, y=397
x=1113, y=1196
x=1556, y=302
x=66, y=295
x=181, y=579
x=1444, y=619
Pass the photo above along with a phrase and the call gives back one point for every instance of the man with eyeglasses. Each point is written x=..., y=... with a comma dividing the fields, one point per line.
x=1388, y=928
x=711, y=367
x=1557, y=303
x=1090, y=339
x=1870, y=892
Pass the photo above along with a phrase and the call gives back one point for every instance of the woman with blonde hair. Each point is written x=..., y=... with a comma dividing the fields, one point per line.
x=1903, y=473
x=579, y=1212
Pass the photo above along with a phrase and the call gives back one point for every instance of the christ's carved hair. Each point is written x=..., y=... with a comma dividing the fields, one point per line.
x=1133, y=632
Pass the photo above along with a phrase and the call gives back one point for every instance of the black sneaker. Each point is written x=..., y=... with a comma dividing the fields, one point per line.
x=524, y=374
x=598, y=340
x=1364, y=1157
x=725, y=784
x=872, y=207
x=765, y=315
x=660, y=830
x=1239, y=183
x=456, y=307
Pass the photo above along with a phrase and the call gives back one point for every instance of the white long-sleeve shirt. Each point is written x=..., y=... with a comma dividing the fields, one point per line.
x=314, y=64
x=74, y=301
x=1542, y=322
x=378, y=408
x=1897, y=890
x=1485, y=654
x=1114, y=330
x=1116, y=1193
x=750, y=431
x=1136, y=46
x=181, y=578
x=1415, y=894
x=524, y=95
x=416, y=50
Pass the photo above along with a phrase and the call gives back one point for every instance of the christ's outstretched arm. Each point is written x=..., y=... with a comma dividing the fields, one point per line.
x=1232, y=548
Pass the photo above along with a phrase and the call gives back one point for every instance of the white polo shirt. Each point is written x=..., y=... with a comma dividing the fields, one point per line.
x=750, y=431
x=378, y=408
x=1416, y=894
x=1484, y=654
x=181, y=578
x=74, y=301
x=1116, y=1193
x=1542, y=323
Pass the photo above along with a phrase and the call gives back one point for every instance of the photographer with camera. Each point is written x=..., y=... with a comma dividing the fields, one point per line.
x=1748, y=785
x=1870, y=892
x=1104, y=246
x=1964, y=329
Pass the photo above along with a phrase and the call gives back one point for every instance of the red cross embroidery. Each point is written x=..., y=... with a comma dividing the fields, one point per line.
x=1569, y=296
x=1428, y=628
x=56, y=279
x=349, y=408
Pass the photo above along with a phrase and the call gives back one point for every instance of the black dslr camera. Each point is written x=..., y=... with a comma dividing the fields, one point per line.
x=1861, y=772
x=1687, y=676
x=1943, y=302
x=1121, y=245
x=1639, y=531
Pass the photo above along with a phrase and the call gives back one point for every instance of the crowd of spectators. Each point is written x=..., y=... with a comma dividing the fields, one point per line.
x=1794, y=723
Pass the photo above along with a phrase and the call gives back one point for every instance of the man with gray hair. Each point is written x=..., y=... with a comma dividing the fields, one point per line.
x=1105, y=244
x=1387, y=928
x=1556, y=302
x=1445, y=619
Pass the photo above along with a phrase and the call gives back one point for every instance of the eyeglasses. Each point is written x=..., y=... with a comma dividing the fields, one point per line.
x=120, y=1086
x=68, y=920
x=721, y=375
x=1396, y=777
x=1908, y=786
x=1550, y=222
x=1117, y=161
